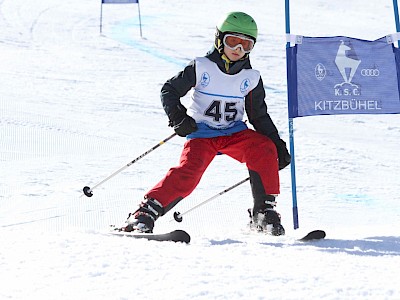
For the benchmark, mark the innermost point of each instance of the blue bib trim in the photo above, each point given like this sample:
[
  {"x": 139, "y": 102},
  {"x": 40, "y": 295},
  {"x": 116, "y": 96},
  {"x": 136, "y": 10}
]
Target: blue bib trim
[{"x": 204, "y": 131}]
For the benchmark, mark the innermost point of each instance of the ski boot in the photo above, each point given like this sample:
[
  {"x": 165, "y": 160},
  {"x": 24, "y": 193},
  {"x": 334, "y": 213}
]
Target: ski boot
[
  {"x": 266, "y": 219},
  {"x": 142, "y": 220}
]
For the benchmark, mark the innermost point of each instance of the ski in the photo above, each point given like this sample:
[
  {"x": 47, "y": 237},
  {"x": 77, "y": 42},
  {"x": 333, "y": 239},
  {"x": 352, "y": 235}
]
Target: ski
[
  {"x": 180, "y": 236},
  {"x": 313, "y": 236}
]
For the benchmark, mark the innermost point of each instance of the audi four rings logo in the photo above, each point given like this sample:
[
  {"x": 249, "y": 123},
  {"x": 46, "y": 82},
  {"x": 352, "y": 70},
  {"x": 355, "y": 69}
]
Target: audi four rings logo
[{"x": 370, "y": 72}]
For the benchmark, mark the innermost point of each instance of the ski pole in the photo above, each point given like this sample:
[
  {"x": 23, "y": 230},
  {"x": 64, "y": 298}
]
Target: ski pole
[
  {"x": 88, "y": 191},
  {"x": 178, "y": 216}
]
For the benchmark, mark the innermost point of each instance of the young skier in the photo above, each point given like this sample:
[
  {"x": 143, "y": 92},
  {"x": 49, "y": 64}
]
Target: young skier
[{"x": 223, "y": 85}]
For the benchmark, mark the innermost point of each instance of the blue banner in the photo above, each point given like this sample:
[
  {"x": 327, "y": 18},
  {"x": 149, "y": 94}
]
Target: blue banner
[{"x": 342, "y": 75}]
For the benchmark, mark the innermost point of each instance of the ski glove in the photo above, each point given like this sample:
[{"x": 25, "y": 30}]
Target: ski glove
[
  {"x": 284, "y": 157},
  {"x": 181, "y": 122},
  {"x": 185, "y": 126}
]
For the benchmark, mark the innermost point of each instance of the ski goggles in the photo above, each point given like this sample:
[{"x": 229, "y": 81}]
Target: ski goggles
[{"x": 233, "y": 41}]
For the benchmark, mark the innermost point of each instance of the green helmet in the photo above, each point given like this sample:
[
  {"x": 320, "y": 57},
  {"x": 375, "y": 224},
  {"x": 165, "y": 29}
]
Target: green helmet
[{"x": 238, "y": 22}]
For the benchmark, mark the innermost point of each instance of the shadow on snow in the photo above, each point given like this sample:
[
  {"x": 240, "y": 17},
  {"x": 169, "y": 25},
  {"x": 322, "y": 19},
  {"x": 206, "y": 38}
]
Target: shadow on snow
[{"x": 369, "y": 246}]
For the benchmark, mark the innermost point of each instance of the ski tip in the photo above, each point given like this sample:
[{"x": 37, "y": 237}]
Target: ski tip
[
  {"x": 182, "y": 236},
  {"x": 313, "y": 235}
]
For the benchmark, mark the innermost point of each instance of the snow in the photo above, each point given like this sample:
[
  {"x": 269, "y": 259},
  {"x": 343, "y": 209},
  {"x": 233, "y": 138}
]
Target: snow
[{"x": 77, "y": 106}]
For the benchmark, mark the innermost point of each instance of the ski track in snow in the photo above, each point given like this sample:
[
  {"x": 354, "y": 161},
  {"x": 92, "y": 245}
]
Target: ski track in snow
[{"x": 76, "y": 106}]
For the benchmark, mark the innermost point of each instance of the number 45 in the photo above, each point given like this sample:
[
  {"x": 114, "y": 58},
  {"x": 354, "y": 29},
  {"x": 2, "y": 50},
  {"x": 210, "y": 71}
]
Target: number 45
[{"x": 214, "y": 111}]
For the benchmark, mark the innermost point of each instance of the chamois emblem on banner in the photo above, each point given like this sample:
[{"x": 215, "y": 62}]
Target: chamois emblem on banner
[
  {"x": 320, "y": 71},
  {"x": 344, "y": 62}
]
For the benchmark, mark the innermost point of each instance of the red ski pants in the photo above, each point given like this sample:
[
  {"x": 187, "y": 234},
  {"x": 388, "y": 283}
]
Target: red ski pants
[{"x": 247, "y": 146}]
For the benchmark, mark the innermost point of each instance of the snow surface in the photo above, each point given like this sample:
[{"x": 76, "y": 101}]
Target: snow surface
[{"x": 77, "y": 106}]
